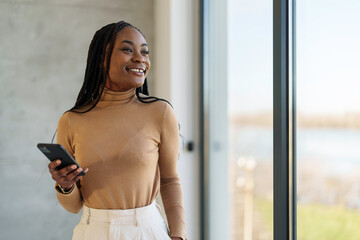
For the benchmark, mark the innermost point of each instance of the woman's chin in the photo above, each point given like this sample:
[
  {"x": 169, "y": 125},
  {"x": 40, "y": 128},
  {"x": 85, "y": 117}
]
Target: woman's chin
[{"x": 138, "y": 84}]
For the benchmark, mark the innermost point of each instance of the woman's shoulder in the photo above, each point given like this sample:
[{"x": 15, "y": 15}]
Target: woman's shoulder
[
  {"x": 155, "y": 102},
  {"x": 68, "y": 116},
  {"x": 160, "y": 109}
]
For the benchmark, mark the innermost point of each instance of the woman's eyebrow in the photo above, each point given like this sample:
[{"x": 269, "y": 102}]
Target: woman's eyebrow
[{"x": 131, "y": 43}]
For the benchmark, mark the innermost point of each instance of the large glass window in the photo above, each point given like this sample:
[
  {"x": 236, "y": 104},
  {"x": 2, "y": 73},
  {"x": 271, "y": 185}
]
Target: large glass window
[
  {"x": 328, "y": 110},
  {"x": 250, "y": 113},
  {"x": 327, "y": 120},
  {"x": 238, "y": 112}
]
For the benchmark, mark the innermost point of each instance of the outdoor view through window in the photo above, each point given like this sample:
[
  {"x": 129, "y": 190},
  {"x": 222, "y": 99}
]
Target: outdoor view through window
[
  {"x": 328, "y": 116},
  {"x": 328, "y": 119},
  {"x": 250, "y": 76}
]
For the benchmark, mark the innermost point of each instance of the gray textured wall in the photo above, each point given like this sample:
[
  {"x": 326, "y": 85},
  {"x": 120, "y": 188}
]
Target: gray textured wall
[{"x": 43, "y": 47}]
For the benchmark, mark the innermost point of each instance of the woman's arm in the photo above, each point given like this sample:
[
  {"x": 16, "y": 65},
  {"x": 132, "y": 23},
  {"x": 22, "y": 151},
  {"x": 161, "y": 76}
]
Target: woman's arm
[
  {"x": 170, "y": 186},
  {"x": 71, "y": 201}
]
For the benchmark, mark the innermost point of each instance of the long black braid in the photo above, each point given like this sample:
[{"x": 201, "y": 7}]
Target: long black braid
[{"x": 96, "y": 71}]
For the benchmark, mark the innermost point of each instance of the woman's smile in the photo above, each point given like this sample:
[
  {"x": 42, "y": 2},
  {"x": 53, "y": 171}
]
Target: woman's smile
[{"x": 138, "y": 71}]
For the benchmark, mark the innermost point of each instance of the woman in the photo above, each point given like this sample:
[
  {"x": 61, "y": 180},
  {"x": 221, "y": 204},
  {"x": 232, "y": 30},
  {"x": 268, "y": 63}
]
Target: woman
[{"x": 127, "y": 143}]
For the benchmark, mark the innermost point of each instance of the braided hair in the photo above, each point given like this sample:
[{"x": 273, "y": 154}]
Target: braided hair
[{"x": 96, "y": 71}]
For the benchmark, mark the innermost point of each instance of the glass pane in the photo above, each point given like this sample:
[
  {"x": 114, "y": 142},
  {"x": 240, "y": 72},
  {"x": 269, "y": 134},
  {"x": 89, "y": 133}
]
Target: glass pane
[
  {"x": 328, "y": 117},
  {"x": 250, "y": 94}
]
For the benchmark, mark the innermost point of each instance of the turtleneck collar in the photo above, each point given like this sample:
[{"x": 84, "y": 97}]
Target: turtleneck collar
[{"x": 110, "y": 95}]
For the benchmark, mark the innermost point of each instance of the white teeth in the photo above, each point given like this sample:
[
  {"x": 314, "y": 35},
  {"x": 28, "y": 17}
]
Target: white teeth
[{"x": 136, "y": 70}]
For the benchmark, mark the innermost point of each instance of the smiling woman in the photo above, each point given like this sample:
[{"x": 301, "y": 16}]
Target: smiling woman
[
  {"x": 130, "y": 61},
  {"x": 129, "y": 56},
  {"x": 128, "y": 159}
]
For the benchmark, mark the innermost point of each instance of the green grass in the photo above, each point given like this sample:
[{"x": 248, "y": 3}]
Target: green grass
[
  {"x": 319, "y": 222},
  {"x": 265, "y": 207}
]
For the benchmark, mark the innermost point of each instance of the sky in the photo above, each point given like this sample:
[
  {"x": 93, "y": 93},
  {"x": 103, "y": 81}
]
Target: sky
[{"x": 328, "y": 56}]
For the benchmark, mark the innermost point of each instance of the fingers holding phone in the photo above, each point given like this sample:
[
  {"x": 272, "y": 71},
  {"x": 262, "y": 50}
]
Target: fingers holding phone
[
  {"x": 63, "y": 167},
  {"x": 66, "y": 176}
]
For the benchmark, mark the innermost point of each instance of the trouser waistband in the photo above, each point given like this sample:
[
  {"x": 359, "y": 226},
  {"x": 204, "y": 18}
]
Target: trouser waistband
[{"x": 119, "y": 216}]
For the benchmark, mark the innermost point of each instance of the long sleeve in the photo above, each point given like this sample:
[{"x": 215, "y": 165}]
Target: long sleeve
[
  {"x": 72, "y": 201},
  {"x": 170, "y": 186}
]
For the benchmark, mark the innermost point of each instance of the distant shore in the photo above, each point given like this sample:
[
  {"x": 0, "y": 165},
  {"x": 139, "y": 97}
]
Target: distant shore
[{"x": 349, "y": 120}]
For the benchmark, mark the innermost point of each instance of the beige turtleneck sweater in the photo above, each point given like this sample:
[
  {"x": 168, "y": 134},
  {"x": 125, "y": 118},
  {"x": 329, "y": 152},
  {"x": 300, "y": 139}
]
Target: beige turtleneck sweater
[{"x": 131, "y": 150}]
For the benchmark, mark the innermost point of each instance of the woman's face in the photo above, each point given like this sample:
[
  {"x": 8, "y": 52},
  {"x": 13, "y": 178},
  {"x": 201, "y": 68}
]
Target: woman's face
[{"x": 130, "y": 63}]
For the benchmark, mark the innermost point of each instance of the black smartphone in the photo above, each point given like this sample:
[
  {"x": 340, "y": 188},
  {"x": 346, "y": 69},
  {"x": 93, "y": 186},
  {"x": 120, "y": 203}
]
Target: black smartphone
[{"x": 55, "y": 151}]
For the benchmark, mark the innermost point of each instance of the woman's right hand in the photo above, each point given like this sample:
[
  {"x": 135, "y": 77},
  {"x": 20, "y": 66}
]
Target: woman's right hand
[{"x": 67, "y": 176}]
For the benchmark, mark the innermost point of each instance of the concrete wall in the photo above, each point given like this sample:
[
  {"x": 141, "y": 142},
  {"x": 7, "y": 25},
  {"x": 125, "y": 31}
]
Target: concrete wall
[{"x": 43, "y": 48}]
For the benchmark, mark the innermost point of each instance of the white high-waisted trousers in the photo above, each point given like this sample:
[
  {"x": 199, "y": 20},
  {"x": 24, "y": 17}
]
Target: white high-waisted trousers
[{"x": 143, "y": 223}]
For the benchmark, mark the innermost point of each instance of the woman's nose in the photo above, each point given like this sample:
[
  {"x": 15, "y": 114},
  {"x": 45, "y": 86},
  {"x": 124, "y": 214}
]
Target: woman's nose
[{"x": 138, "y": 57}]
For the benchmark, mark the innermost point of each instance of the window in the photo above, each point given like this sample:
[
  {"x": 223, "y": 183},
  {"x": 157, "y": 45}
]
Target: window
[
  {"x": 250, "y": 124},
  {"x": 238, "y": 114},
  {"x": 282, "y": 110},
  {"x": 328, "y": 117}
]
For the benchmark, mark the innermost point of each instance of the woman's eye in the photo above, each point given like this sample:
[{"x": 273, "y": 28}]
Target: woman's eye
[
  {"x": 145, "y": 52},
  {"x": 126, "y": 50}
]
